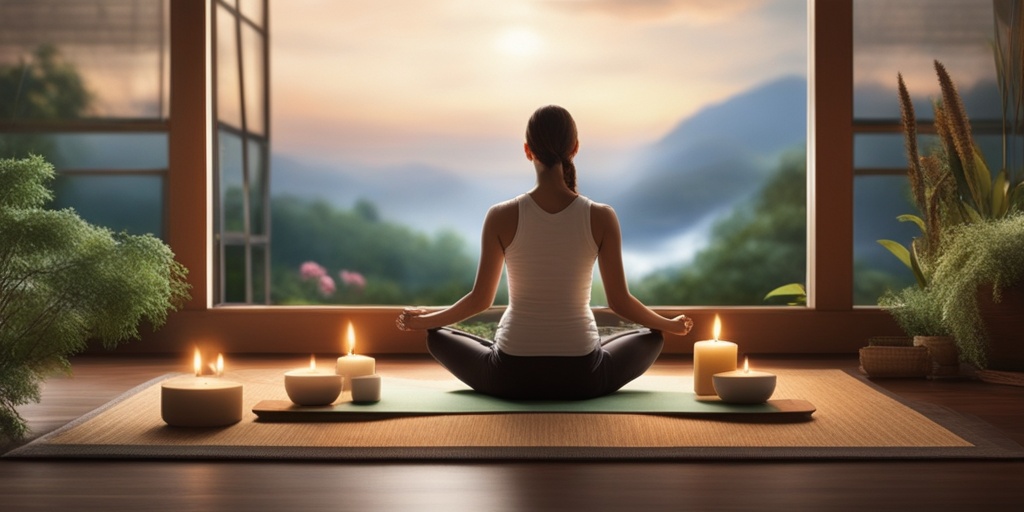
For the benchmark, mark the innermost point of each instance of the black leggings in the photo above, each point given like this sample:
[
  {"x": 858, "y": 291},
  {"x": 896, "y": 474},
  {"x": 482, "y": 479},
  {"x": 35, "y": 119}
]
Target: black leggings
[{"x": 478, "y": 363}]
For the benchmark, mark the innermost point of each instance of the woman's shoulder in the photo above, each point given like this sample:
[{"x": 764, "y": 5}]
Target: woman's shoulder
[
  {"x": 503, "y": 220},
  {"x": 601, "y": 211},
  {"x": 505, "y": 208},
  {"x": 505, "y": 213},
  {"x": 603, "y": 221}
]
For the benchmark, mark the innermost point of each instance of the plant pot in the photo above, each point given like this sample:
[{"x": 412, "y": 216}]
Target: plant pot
[
  {"x": 943, "y": 353},
  {"x": 1004, "y": 327}
]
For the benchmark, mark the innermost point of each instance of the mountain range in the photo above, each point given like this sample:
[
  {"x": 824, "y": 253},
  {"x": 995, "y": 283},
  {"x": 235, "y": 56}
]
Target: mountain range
[
  {"x": 673, "y": 191},
  {"x": 711, "y": 161},
  {"x": 703, "y": 167}
]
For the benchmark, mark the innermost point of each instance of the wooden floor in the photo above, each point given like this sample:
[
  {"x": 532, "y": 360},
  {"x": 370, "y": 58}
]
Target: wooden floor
[{"x": 500, "y": 486}]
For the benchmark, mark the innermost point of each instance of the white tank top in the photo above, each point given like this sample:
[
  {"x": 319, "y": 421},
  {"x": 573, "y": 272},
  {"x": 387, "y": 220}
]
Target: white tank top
[{"x": 550, "y": 265}]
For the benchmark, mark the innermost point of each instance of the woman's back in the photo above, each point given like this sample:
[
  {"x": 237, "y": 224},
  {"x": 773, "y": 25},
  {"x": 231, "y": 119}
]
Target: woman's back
[
  {"x": 550, "y": 264},
  {"x": 547, "y": 346}
]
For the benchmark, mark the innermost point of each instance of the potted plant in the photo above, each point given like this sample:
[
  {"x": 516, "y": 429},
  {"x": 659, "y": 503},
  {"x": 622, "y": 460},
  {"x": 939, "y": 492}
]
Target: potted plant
[
  {"x": 918, "y": 312},
  {"x": 979, "y": 281},
  {"x": 967, "y": 217},
  {"x": 64, "y": 282}
]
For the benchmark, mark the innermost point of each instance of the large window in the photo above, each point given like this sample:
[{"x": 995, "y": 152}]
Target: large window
[
  {"x": 907, "y": 37},
  {"x": 136, "y": 107},
  {"x": 397, "y": 123},
  {"x": 85, "y": 84}
]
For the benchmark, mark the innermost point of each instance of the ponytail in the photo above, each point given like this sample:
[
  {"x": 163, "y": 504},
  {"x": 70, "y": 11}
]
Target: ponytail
[{"x": 569, "y": 173}]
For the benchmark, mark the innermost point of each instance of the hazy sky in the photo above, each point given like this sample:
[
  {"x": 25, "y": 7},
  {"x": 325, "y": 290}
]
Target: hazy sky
[{"x": 452, "y": 82}]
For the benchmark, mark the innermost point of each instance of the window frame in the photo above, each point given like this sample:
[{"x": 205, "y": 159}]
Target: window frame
[
  {"x": 829, "y": 324},
  {"x": 254, "y": 174}
]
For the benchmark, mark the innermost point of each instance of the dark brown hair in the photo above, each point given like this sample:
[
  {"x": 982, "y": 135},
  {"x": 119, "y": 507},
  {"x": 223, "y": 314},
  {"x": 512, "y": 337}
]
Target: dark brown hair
[{"x": 551, "y": 137}]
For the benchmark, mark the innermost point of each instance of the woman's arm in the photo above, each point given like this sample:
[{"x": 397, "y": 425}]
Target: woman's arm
[
  {"x": 494, "y": 239},
  {"x": 608, "y": 236}
]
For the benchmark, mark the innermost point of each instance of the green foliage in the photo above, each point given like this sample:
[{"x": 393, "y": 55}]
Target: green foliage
[
  {"x": 953, "y": 185},
  {"x": 769, "y": 234},
  {"x": 400, "y": 265},
  {"x": 47, "y": 87},
  {"x": 64, "y": 282},
  {"x": 44, "y": 87},
  {"x": 918, "y": 311},
  {"x": 485, "y": 330},
  {"x": 793, "y": 293},
  {"x": 969, "y": 219},
  {"x": 975, "y": 257}
]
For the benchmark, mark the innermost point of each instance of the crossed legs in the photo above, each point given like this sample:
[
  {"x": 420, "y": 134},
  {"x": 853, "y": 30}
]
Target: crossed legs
[{"x": 478, "y": 363}]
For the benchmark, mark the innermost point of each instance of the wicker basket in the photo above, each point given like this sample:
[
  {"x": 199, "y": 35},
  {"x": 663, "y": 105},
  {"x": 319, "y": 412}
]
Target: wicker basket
[
  {"x": 890, "y": 341},
  {"x": 892, "y": 362}
]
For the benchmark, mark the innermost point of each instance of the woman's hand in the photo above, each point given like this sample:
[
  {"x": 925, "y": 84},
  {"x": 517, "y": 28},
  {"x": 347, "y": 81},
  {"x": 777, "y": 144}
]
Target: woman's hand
[
  {"x": 410, "y": 319},
  {"x": 684, "y": 324}
]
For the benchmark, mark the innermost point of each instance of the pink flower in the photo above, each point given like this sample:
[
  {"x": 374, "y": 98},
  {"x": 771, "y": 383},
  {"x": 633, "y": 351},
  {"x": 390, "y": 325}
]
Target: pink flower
[
  {"x": 311, "y": 270},
  {"x": 327, "y": 286},
  {"x": 353, "y": 279}
]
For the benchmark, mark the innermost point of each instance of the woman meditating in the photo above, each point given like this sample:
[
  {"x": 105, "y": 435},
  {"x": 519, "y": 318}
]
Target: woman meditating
[{"x": 547, "y": 344}]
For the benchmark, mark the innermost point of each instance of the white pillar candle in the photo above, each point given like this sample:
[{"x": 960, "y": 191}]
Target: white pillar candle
[
  {"x": 312, "y": 386},
  {"x": 711, "y": 357},
  {"x": 366, "y": 388},
  {"x": 354, "y": 365},
  {"x": 197, "y": 401},
  {"x": 744, "y": 386}
]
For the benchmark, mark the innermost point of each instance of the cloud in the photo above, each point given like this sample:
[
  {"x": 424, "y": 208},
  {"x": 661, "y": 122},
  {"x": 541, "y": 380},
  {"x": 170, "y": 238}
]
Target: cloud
[
  {"x": 390, "y": 81},
  {"x": 696, "y": 12}
]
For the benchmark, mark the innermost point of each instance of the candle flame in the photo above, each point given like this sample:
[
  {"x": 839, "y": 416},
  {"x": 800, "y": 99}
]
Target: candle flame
[
  {"x": 197, "y": 362},
  {"x": 350, "y": 337},
  {"x": 746, "y": 364},
  {"x": 312, "y": 362},
  {"x": 220, "y": 364},
  {"x": 718, "y": 327}
]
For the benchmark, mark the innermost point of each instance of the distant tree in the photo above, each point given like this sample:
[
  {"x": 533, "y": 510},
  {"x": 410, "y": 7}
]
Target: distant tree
[
  {"x": 397, "y": 264},
  {"x": 758, "y": 247},
  {"x": 761, "y": 245},
  {"x": 46, "y": 87}
]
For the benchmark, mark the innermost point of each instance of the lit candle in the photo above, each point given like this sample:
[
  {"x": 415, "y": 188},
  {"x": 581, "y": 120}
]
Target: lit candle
[
  {"x": 197, "y": 401},
  {"x": 711, "y": 357},
  {"x": 354, "y": 365},
  {"x": 312, "y": 386},
  {"x": 744, "y": 386},
  {"x": 366, "y": 388}
]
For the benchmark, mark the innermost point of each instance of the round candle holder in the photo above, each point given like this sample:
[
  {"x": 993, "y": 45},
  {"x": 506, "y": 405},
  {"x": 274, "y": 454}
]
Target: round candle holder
[
  {"x": 200, "y": 402},
  {"x": 744, "y": 387},
  {"x": 312, "y": 387}
]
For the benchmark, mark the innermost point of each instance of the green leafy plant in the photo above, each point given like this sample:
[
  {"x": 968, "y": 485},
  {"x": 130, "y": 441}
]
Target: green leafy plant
[
  {"x": 951, "y": 186},
  {"x": 793, "y": 293},
  {"x": 64, "y": 282},
  {"x": 967, "y": 215},
  {"x": 980, "y": 256},
  {"x": 918, "y": 311}
]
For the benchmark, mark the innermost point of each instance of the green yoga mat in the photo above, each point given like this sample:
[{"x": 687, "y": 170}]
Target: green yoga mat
[{"x": 404, "y": 399}]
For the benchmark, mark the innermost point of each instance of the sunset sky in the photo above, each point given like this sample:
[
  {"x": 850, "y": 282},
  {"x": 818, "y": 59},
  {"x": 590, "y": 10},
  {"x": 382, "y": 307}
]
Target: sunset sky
[
  {"x": 363, "y": 84},
  {"x": 452, "y": 82}
]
